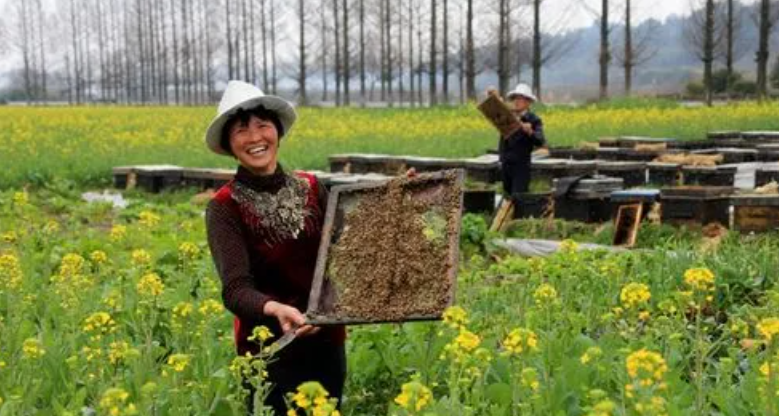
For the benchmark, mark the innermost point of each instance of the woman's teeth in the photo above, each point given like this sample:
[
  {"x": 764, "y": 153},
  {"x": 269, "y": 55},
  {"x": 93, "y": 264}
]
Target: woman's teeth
[{"x": 257, "y": 150}]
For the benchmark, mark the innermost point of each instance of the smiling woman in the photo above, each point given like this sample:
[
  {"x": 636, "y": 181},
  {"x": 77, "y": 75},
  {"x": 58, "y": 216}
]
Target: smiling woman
[{"x": 264, "y": 229}]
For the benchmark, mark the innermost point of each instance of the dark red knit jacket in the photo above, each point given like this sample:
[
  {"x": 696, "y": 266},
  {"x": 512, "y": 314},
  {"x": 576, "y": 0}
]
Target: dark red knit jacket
[{"x": 253, "y": 271}]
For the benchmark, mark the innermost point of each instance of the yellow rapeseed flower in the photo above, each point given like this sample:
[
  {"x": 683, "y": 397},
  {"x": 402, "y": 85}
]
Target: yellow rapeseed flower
[
  {"x": 118, "y": 232},
  {"x": 179, "y": 362},
  {"x": 98, "y": 257},
  {"x": 261, "y": 334},
  {"x": 32, "y": 349},
  {"x": 545, "y": 295},
  {"x": 592, "y": 353},
  {"x": 140, "y": 257},
  {"x": 414, "y": 396},
  {"x": 71, "y": 265},
  {"x": 21, "y": 198},
  {"x": 114, "y": 403},
  {"x": 635, "y": 295},
  {"x": 768, "y": 328},
  {"x": 646, "y": 366},
  {"x": 210, "y": 307},
  {"x": 455, "y": 317},
  {"x": 99, "y": 324},
  {"x": 10, "y": 272},
  {"x": 121, "y": 351},
  {"x": 10, "y": 237},
  {"x": 148, "y": 219},
  {"x": 188, "y": 251},
  {"x": 150, "y": 285},
  {"x": 700, "y": 279},
  {"x": 520, "y": 341}
]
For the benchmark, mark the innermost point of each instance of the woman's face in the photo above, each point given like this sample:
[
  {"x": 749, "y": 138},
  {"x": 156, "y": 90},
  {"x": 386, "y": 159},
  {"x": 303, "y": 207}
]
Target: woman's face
[
  {"x": 255, "y": 144},
  {"x": 521, "y": 103}
]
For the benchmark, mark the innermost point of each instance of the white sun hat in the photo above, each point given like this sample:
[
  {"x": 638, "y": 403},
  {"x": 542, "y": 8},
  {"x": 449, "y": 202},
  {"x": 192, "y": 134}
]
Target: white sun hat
[
  {"x": 239, "y": 95},
  {"x": 523, "y": 90}
]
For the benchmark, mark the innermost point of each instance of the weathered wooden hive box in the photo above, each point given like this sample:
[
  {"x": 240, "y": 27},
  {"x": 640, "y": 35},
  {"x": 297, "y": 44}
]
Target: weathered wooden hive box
[
  {"x": 389, "y": 251},
  {"x": 533, "y": 204},
  {"x": 709, "y": 175},
  {"x": 646, "y": 197},
  {"x": 485, "y": 168},
  {"x": 755, "y": 213},
  {"x": 587, "y": 200},
  {"x": 664, "y": 174},
  {"x": 766, "y": 174},
  {"x": 632, "y": 173},
  {"x": 696, "y": 205}
]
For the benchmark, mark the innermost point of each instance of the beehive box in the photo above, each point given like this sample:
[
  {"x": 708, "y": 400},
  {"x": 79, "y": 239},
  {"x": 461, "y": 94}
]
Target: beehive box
[
  {"x": 664, "y": 174},
  {"x": 696, "y": 205},
  {"x": 485, "y": 168},
  {"x": 156, "y": 178},
  {"x": 709, "y": 175},
  {"x": 389, "y": 251},
  {"x": 755, "y": 213},
  {"x": 497, "y": 112},
  {"x": 766, "y": 174},
  {"x": 632, "y": 173},
  {"x": 533, "y": 205}
]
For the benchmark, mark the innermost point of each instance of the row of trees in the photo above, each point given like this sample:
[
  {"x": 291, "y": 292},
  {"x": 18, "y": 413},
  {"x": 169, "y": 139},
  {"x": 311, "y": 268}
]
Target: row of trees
[
  {"x": 414, "y": 51},
  {"x": 713, "y": 34}
]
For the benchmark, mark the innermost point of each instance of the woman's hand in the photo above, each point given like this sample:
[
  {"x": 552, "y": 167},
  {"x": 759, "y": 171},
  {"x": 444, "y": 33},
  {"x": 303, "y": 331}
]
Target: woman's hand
[{"x": 290, "y": 318}]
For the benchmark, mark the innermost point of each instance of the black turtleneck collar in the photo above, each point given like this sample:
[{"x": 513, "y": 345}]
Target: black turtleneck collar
[{"x": 262, "y": 183}]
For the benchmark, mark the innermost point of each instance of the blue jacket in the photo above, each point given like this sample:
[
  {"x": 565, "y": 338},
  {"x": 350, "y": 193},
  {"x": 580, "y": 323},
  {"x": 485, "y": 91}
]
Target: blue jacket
[{"x": 518, "y": 147}]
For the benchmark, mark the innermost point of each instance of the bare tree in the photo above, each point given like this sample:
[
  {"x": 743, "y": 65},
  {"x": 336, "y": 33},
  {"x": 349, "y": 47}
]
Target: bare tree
[
  {"x": 767, "y": 17},
  {"x": 346, "y": 55},
  {"x": 470, "y": 58},
  {"x": 445, "y": 50},
  {"x": 433, "y": 70},
  {"x": 637, "y": 48},
  {"x": 302, "y": 98},
  {"x": 362, "y": 52},
  {"x": 703, "y": 34}
]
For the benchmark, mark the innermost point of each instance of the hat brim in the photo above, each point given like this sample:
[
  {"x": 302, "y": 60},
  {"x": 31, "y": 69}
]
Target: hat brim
[
  {"x": 513, "y": 95},
  {"x": 283, "y": 109}
]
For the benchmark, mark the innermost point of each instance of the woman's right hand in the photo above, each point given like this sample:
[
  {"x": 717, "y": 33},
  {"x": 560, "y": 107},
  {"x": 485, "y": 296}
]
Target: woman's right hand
[{"x": 289, "y": 318}]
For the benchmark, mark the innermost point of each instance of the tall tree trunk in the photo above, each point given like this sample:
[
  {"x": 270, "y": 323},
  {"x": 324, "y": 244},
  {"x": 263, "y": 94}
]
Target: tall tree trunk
[
  {"x": 362, "y": 52},
  {"x": 412, "y": 92},
  {"x": 246, "y": 58},
  {"x": 445, "y": 49},
  {"x": 302, "y": 51},
  {"x": 273, "y": 44},
  {"x": 382, "y": 50},
  {"x": 324, "y": 51},
  {"x": 346, "y": 57},
  {"x": 628, "y": 61},
  {"x": 42, "y": 48},
  {"x": 401, "y": 87},
  {"x": 470, "y": 58},
  {"x": 730, "y": 25},
  {"x": 605, "y": 53},
  {"x": 230, "y": 68},
  {"x": 174, "y": 37},
  {"x": 537, "y": 58},
  {"x": 254, "y": 42},
  {"x": 337, "y": 44},
  {"x": 264, "y": 29},
  {"x": 388, "y": 39},
  {"x": 420, "y": 94},
  {"x": 762, "y": 50},
  {"x": 708, "y": 50},
  {"x": 503, "y": 47},
  {"x": 433, "y": 69}
]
